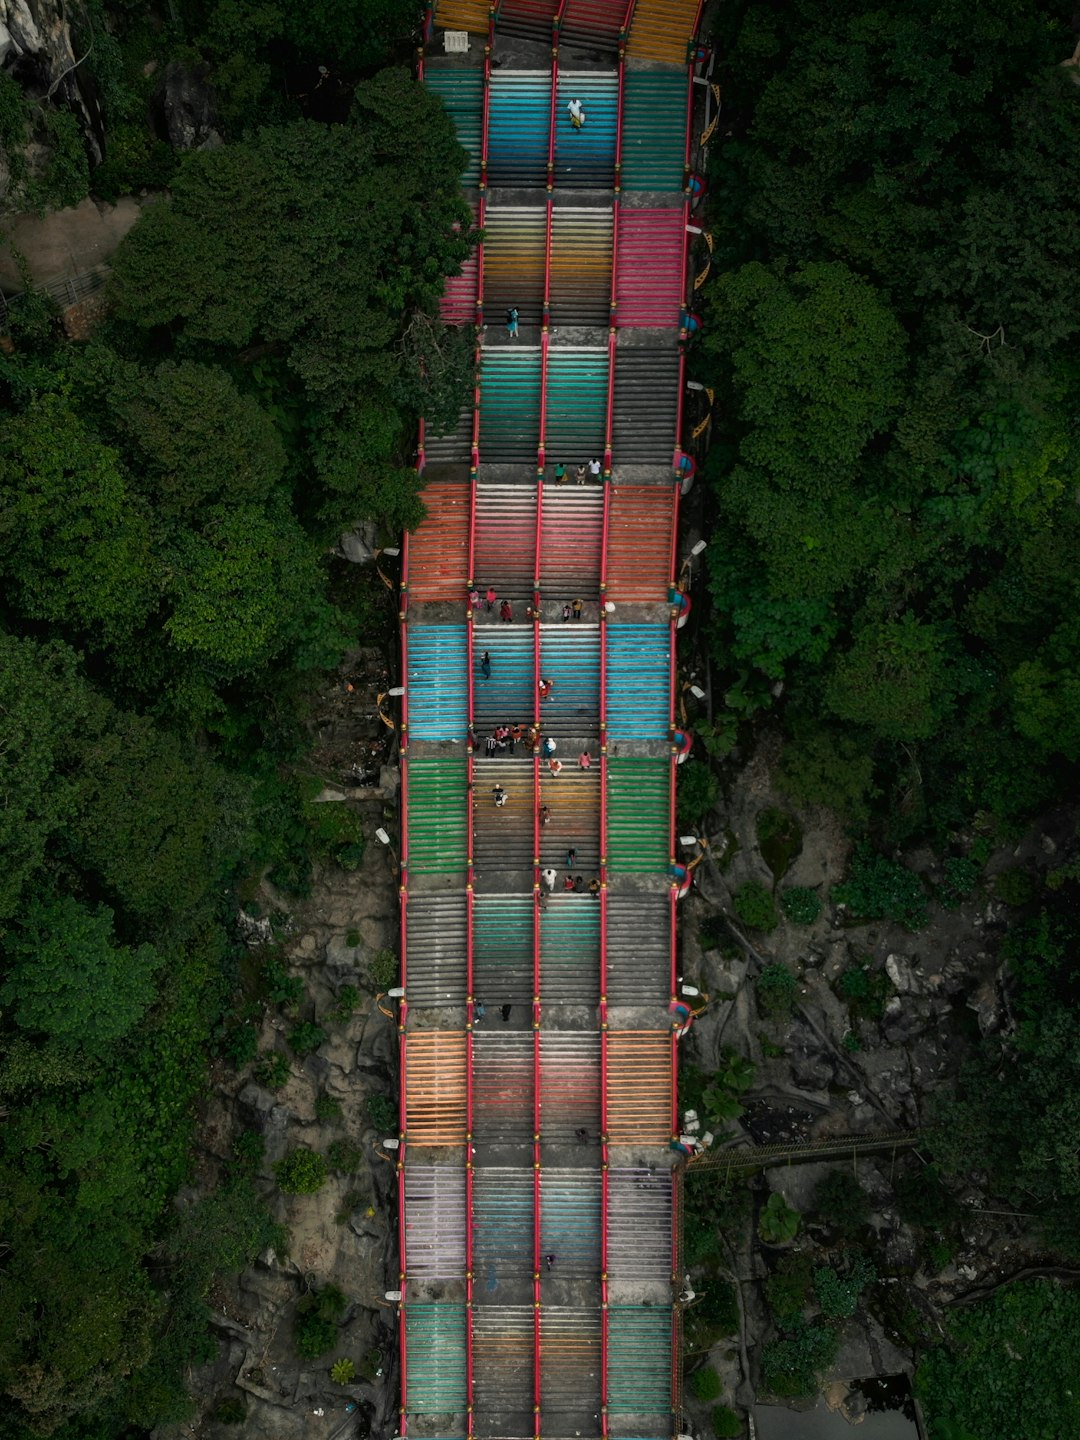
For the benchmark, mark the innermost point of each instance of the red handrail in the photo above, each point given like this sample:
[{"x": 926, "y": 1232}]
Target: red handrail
[
  {"x": 545, "y": 344},
  {"x": 549, "y": 207},
  {"x": 538, "y": 1258},
  {"x": 604, "y": 1161},
  {"x": 553, "y": 111}
]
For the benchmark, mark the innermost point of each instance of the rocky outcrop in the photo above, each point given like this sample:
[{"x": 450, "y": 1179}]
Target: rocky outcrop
[
  {"x": 36, "y": 46},
  {"x": 185, "y": 103}
]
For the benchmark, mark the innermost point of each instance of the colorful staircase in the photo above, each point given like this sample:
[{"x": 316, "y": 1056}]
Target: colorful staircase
[{"x": 535, "y": 1171}]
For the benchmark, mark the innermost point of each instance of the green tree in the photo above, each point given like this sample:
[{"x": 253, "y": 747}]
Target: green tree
[
  {"x": 894, "y": 680},
  {"x": 75, "y": 545},
  {"x": 301, "y": 1172},
  {"x": 67, "y": 978}
]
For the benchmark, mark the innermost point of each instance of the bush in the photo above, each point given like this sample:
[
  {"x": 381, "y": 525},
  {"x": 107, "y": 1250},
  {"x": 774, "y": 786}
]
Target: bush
[
  {"x": 352, "y": 939},
  {"x": 1015, "y": 887},
  {"x": 923, "y": 1200},
  {"x": 241, "y": 1045},
  {"x": 383, "y": 969},
  {"x": 755, "y": 907},
  {"x": 776, "y": 990},
  {"x": 842, "y": 1202},
  {"x": 306, "y": 1037},
  {"x": 134, "y": 159},
  {"x": 348, "y": 998},
  {"x": 327, "y": 1108},
  {"x": 790, "y": 1367},
  {"x": 788, "y": 1288},
  {"x": 878, "y": 888},
  {"x": 315, "y": 1327},
  {"x": 230, "y": 1411},
  {"x": 249, "y": 1147},
  {"x": 726, "y": 1423},
  {"x": 273, "y": 1070},
  {"x": 383, "y": 1114},
  {"x": 301, "y": 1172},
  {"x": 344, "y": 1156},
  {"x": 779, "y": 839},
  {"x": 281, "y": 987},
  {"x": 865, "y": 990},
  {"x": 706, "y": 1384},
  {"x": 960, "y": 879},
  {"x": 839, "y": 1294},
  {"x": 342, "y": 1371},
  {"x": 801, "y": 905},
  {"x": 697, "y": 793},
  {"x": 778, "y": 1222}
]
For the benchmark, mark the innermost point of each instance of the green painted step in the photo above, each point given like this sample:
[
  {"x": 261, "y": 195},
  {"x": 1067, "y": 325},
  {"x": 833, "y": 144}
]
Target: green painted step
[
  {"x": 638, "y": 817},
  {"x": 639, "y": 1359},
  {"x": 462, "y": 92},
  {"x": 654, "y": 130},
  {"x": 438, "y": 816},
  {"x": 509, "y": 405},
  {"x": 435, "y": 1359}
]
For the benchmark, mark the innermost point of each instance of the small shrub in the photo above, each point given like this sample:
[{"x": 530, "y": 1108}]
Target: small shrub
[
  {"x": 878, "y": 888},
  {"x": 383, "y": 969},
  {"x": 697, "y": 794},
  {"x": 348, "y": 998},
  {"x": 241, "y": 1045},
  {"x": 755, "y": 907},
  {"x": 273, "y": 1070},
  {"x": 383, "y": 1114},
  {"x": 344, "y": 1156},
  {"x": 851, "y": 1042},
  {"x": 960, "y": 879},
  {"x": 352, "y": 939},
  {"x": 865, "y": 990},
  {"x": 778, "y": 1222},
  {"x": 842, "y": 1202},
  {"x": 706, "y": 1384},
  {"x": 738, "y": 1072},
  {"x": 788, "y": 1288},
  {"x": 327, "y": 1108},
  {"x": 776, "y": 990},
  {"x": 301, "y": 1172},
  {"x": 350, "y": 1201},
  {"x": 801, "y": 905},
  {"x": 281, "y": 987},
  {"x": 779, "y": 839},
  {"x": 837, "y": 1294},
  {"x": 342, "y": 1371},
  {"x": 230, "y": 1411},
  {"x": 249, "y": 1147},
  {"x": 790, "y": 1367},
  {"x": 315, "y": 1327},
  {"x": 1015, "y": 887},
  {"x": 726, "y": 1423},
  {"x": 306, "y": 1036}
]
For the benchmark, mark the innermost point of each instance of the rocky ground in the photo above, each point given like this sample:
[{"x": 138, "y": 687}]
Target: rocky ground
[{"x": 829, "y": 1069}]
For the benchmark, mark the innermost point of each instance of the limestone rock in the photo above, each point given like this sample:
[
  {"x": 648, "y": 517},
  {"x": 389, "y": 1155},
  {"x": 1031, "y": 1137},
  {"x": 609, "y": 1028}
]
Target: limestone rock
[
  {"x": 901, "y": 972},
  {"x": 187, "y": 107}
]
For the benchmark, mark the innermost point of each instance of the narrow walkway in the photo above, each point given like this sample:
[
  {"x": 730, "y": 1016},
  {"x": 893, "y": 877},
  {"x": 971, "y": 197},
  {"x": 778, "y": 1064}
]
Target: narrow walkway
[{"x": 539, "y": 1203}]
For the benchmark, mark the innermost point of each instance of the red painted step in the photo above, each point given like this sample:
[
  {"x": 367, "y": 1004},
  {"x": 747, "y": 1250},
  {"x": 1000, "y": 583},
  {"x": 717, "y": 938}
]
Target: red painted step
[{"x": 649, "y": 284}]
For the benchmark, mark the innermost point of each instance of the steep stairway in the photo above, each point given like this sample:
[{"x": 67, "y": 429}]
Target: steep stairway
[
  {"x": 510, "y": 404},
  {"x": 462, "y": 92},
  {"x": 571, "y": 533},
  {"x": 526, "y": 19},
  {"x": 505, "y": 552},
  {"x": 458, "y": 303},
  {"x": 574, "y": 801},
  {"x": 507, "y": 697},
  {"x": 639, "y": 1087},
  {"x": 570, "y": 950},
  {"x": 435, "y": 1222},
  {"x": 645, "y": 420},
  {"x": 435, "y": 1337},
  {"x": 654, "y": 130},
  {"x": 435, "y": 1087},
  {"x": 519, "y": 116},
  {"x": 638, "y": 937},
  {"x": 570, "y": 659},
  {"x": 514, "y": 242},
  {"x": 581, "y": 253},
  {"x": 503, "y": 1213},
  {"x": 662, "y": 30},
  {"x": 502, "y": 1368},
  {"x": 637, "y": 800},
  {"x": 638, "y": 681},
  {"x": 639, "y": 1360},
  {"x": 570, "y": 1218},
  {"x": 639, "y": 1223},
  {"x": 502, "y": 1083},
  {"x": 639, "y": 542},
  {"x": 435, "y": 960},
  {"x": 649, "y": 280},
  {"x": 569, "y": 1085},
  {"x": 570, "y": 1364},
  {"x": 577, "y": 391},
  {"x": 585, "y": 158},
  {"x": 439, "y": 548},
  {"x": 503, "y": 949},
  {"x": 592, "y": 25},
  {"x": 503, "y": 835},
  {"x": 438, "y": 816},
  {"x": 438, "y": 699}
]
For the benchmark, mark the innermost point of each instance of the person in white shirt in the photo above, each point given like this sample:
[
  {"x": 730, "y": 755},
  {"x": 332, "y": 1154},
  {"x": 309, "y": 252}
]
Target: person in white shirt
[{"x": 577, "y": 114}]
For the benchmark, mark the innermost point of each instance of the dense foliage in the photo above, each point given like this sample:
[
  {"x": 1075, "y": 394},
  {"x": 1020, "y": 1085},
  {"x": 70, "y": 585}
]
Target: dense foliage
[
  {"x": 896, "y": 460},
  {"x": 169, "y": 492}
]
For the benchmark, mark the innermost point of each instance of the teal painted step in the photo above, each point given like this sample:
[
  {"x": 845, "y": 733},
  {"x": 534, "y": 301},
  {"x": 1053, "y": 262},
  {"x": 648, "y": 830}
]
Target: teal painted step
[
  {"x": 519, "y": 117},
  {"x": 570, "y": 1218},
  {"x": 639, "y": 1359},
  {"x": 638, "y": 819},
  {"x": 586, "y": 157},
  {"x": 435, "y": 1359},
  {"x": 577, "y": 393},
  {"x": 503, "y": 949},
  {"x": 570, "y": 950},
  {"x": 462, "y": 92},
  {"x": 438, "y": 815},
  {"x": 654, "y": 130},
  {"x": 638, "y": 682},
  {"x": 438, "y": 694},
  {"x": 509, "y": 405}
]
